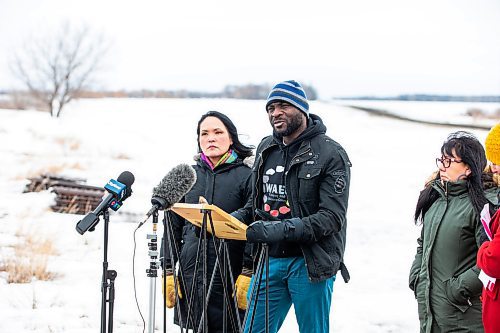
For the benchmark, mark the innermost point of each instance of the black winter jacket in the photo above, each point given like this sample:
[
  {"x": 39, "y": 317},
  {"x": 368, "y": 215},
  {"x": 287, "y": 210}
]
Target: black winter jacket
[
  {"x": 228, "y": 188},
  {"x": 317, "y": 186}
]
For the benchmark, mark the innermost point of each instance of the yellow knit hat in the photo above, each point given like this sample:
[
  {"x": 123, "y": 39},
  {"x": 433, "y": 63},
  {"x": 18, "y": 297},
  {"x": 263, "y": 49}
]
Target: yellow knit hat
[{"x": 493, "y": 145}]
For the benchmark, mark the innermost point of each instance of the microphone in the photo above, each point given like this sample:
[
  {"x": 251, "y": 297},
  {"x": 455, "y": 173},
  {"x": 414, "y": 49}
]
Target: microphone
[
  {"x": 172, "y": 188},
  {"x": 119, "y": 190}
]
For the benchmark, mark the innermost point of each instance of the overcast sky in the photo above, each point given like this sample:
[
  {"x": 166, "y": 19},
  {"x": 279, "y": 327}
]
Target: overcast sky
[{"x": 342, "y": 48}]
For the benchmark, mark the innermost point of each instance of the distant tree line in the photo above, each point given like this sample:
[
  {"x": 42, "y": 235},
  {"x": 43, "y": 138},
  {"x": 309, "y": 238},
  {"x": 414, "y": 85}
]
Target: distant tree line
[
  {"x": 24, "y": 99},
  {"x": 248, "y": 91},
  {"x": 429, "y": 98}
]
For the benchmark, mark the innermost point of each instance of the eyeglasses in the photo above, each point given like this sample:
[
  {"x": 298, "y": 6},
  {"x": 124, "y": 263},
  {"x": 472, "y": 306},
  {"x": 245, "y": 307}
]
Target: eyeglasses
[{"x": 446, "y": 161}]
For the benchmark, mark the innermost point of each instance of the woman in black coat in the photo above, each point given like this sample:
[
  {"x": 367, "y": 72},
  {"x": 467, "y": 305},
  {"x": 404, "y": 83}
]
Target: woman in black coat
[{"x": 223, "y": 176}]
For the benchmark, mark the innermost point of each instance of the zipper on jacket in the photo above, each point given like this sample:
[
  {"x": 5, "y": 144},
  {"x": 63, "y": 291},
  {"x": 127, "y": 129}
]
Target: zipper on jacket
[
  {"x": 256, "y": 198},
  {"x": 296, "y": 157}
]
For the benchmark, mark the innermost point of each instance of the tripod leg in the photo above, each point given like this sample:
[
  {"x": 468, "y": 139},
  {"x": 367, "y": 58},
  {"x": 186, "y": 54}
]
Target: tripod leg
[
  {"x": 172, "y": 246},
  {"x": 111, "y": 302},
  {"x": 223, "y": 275},
  {"x": 205, "y": 258},
  {"x": 190, "y": 297},
  {"x": 231, "y": 277},
  {"x": 224, "y": 303},
  {"x": 104, "y": 296},
  {"x": 212, "y": 278},
  {"x": 266, "y": 258},
  {"x": 254, "y": 291},
  {"x": 226, "y": 299}
]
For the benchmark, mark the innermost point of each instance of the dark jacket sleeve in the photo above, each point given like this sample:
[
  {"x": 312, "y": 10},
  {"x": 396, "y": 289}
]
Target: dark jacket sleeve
[
  {"x": 245, "y": 214},
  {"x": 248, "y": 253},
  {"x": 333, "y": 198}
]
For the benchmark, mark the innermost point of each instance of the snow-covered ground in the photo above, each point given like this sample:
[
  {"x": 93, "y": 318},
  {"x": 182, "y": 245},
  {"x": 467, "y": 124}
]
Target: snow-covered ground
[
  {"x": 438, "y": 112},
  {"x": 98, "y": 139}
]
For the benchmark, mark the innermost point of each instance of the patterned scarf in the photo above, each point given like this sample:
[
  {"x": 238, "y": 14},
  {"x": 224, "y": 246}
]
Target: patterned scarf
[{"x": 229, "y": 157}]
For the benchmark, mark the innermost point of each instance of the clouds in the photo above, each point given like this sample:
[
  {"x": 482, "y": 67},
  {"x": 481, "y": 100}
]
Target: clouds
[{"x": 355, "y": 47}]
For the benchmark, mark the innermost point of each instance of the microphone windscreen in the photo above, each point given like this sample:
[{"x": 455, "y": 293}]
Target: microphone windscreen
[
  {"x": 126, "y": 178},
  {"x": 175, "y": 184}
]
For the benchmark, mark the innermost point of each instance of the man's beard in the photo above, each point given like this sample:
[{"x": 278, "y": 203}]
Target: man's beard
[{"x": 292, "y": 124}]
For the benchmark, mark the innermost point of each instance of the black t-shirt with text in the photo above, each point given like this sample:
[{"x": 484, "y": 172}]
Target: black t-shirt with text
[{"x": 274, "y": 200}]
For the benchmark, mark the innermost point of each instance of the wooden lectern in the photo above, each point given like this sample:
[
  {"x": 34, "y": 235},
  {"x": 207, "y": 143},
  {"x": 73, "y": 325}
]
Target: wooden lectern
[{"x": 226, "y": 226}]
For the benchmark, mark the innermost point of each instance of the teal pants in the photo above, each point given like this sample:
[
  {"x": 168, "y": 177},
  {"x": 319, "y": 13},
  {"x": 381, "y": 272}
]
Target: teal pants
[{"x": 289, "y": 284}]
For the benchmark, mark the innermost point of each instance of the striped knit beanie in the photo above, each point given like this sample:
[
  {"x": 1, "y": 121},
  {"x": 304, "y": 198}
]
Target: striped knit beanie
[
  {"x": 289, "y": 91},
  {"x": 493, "y": 145}
]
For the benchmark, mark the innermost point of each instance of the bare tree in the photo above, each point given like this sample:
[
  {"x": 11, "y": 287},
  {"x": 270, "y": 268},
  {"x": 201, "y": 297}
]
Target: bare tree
[{"x": 57, "y": 68}]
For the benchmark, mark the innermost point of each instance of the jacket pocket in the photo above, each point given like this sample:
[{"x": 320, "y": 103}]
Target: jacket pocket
[
  {"x": 456, "y": 295},
  {"x": 308, "y": 183},
  {"x": 413, "y": 284}
]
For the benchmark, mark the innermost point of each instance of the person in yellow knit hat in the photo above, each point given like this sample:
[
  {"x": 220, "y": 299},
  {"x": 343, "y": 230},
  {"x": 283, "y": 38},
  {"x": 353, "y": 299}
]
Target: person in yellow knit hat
[
  {"x": 488, "y": 256},
  {"x": 493, "y": 148}
]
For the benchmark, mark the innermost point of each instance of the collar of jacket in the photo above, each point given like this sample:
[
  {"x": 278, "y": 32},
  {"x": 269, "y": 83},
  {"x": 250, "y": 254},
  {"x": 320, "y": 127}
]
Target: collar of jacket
[
  {"x": 303, "y": 154},
  {"x": 450, "y": 188}
]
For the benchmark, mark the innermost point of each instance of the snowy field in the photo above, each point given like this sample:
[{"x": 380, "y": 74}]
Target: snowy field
[
  {"x": 98, "y": 139},
  {"x": 438, "y": 112}
]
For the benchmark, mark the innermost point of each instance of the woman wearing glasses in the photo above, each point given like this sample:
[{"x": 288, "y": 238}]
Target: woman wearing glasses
[{"x": 444, "y": 275}]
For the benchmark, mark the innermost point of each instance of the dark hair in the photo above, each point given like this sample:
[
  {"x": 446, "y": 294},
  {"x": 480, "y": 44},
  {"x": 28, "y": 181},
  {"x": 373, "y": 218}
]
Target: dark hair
[
  {"x": 468, "y": 148},
  {"x": 242, "y": 150}
]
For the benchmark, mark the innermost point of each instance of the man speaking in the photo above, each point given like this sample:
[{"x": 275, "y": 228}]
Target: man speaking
[{"x": 301, "y": 181}]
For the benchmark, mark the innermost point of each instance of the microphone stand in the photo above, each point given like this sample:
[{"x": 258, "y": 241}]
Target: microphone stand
[
  {"x": 152, "y": 272},
  {"x": 107, "y": 275}
]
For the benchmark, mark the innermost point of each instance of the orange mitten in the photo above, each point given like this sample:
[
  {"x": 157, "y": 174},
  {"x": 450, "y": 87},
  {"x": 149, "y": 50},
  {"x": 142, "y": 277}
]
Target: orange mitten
[
  {"x": 170, "y": 296},
  {"x": 241, "y": 286}
]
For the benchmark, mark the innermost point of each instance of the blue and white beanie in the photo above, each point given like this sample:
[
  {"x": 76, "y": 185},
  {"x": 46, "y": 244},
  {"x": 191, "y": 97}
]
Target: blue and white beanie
[{"x": 292, "y": 92}]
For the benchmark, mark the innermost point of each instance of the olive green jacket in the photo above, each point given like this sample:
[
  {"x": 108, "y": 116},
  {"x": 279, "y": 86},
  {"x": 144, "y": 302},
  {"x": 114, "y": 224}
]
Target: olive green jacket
[{"x": 444, "y": 275}]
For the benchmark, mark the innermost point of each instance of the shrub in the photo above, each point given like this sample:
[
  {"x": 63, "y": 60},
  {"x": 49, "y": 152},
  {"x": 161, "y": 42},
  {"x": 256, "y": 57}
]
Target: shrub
[{"x": 29, "y": 260}]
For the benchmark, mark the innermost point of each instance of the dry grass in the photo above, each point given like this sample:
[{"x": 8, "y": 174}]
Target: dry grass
[
  {"x": 57, "y": 169},
  {"x": 29, "y": 260},
  {"x": 121, "y": 156},
  {"x": 71, "y": 143},
  {"x": 50, "y": 169},
  {"x": 477, "y": 113}
]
